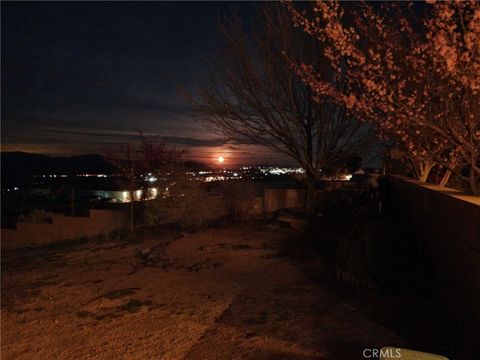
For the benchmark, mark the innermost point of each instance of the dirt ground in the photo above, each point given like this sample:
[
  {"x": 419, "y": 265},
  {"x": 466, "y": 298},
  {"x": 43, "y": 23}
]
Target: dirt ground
[{"x": 219, "y": 294}]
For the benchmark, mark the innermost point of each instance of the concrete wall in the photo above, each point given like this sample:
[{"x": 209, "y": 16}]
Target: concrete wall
[
  {"x": 104, "y": 221},
  {"x": 64, "y": 228},
  {"x": 447, "y": 222},
  {"x": 276, "y": 199}
]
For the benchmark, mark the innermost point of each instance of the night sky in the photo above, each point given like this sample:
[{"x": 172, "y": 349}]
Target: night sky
[{"x": 82, "y": 78}]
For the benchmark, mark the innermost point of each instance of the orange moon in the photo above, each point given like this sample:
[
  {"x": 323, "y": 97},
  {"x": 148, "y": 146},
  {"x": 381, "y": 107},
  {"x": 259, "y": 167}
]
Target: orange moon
[{"x": 221, "y": 159}]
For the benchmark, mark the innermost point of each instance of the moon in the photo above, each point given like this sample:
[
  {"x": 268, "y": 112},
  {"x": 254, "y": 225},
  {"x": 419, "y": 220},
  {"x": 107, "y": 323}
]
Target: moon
[{"x": 220, "y": 159}]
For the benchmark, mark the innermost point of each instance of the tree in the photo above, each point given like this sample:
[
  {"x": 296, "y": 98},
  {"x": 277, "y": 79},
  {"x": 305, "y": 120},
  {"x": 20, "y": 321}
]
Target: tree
[
  {"x": 152, "y": 155},
  {"x": 252, "y": 94},
  {"x": 182, "y": 199},
  {"x": 158, "y": 157},
  {"x": 417, "y": 79},
  {"x": 128, "y": 162}
]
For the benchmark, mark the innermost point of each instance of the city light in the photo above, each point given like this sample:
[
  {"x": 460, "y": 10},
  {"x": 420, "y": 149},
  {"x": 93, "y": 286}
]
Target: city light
[
  {"x": 138, "y": 195},
  {"x": 281, "y": 170},
  {"x": 154, "y": 193}
]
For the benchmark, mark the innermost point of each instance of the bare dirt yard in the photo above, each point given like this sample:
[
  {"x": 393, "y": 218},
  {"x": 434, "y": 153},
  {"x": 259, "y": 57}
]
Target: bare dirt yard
[{"x": 221, "y": 294}]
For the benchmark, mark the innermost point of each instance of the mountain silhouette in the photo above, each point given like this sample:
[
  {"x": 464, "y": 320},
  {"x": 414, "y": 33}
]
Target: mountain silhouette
[{"x": 19, "y": 167}]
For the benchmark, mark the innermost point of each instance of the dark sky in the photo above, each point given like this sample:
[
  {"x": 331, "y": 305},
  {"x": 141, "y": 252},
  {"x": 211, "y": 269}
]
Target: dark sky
[{"x": 81, "y": 77}]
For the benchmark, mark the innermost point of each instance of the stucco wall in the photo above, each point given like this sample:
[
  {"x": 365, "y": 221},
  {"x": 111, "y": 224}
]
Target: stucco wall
[
  {"x": 64, "y": 228},
  {"x": 447, "y": 222},
  {"x": 104, "y": 221},
  {"x": 276, "y": 199}
]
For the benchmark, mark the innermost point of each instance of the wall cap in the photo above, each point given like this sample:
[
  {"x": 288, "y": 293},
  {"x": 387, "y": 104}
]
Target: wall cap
[{"x": 457, "y": 194}]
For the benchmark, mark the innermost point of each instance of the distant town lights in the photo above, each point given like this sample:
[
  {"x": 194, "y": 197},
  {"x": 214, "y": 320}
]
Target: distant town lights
[{"x": 281, "y": 171}]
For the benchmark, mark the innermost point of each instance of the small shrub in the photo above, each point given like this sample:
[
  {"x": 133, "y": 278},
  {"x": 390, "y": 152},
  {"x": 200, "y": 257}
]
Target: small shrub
[
  {"x": 187, "y": 204},
  {"x": 37, "y": 216}
]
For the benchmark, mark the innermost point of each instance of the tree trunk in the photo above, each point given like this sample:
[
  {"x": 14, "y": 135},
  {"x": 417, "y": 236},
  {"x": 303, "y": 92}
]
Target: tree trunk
[
  {"x": 310, "y": 196},
  {"x": 445, "y": 178},
  {"x": 425, "y": 172},
  {"x": 473, "y": 183},
  {"x": 72, "y": 202},
  {"x": 131, "y": 227}
]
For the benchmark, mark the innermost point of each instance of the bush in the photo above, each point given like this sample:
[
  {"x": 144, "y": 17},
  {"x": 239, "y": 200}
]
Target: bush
[
  {"x": 38, "y": 216},
  {"x": 187, "y": 204},
  {"x": 190, "y": 205}
]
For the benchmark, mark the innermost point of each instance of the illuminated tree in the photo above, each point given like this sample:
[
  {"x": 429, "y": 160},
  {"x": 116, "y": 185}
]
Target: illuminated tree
[
  {"x": 252, "y": 94},
  {"x": 159, "y": 157},
  {"x": 128, "y": 161},
  {"x": 417, "y": 79},
  {"x": 183, "y": 199},
  {"x": 151, "y": 155}
]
